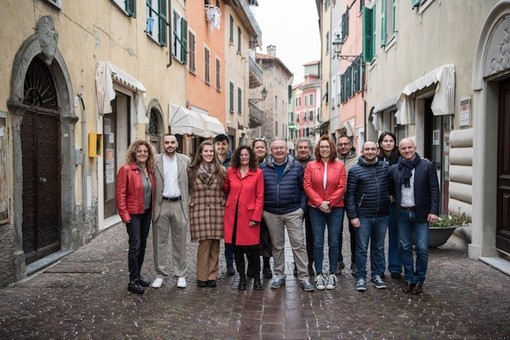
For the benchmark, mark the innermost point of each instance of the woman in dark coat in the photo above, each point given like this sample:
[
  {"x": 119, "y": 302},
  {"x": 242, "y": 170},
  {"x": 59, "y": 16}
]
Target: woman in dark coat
[
  {"x": 388, "y": 151},
  {"x": 244, "y": 185},
  {"x": 206, "y": 207}
]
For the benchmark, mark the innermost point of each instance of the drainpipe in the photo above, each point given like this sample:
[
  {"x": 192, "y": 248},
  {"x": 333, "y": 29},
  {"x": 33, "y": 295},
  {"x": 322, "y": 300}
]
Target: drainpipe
[{"x": 85, "y": 164}]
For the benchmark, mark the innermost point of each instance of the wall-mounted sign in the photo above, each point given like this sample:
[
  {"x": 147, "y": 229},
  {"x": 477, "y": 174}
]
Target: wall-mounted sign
[{"x": 465, "y": 111}]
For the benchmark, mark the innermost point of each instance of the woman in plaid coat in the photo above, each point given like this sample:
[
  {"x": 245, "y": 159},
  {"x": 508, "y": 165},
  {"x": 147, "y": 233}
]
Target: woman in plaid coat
[{"x": 206, "y": 207}]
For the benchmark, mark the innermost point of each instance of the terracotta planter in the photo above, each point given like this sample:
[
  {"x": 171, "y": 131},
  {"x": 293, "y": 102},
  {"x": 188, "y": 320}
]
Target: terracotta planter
[{"x": 439, "y": 236}]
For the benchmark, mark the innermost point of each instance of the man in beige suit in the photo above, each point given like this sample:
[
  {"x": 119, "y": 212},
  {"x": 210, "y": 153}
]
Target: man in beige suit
[{"x": 170, "y": 216}]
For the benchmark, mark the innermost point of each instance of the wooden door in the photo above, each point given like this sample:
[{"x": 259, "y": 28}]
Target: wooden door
[
  {"x": 503, "y": 190},
  {"x": 40, "y": 147}
]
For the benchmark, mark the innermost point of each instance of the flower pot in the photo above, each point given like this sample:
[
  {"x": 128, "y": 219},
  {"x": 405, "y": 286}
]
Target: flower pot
[{"x": 439, "y": 236}]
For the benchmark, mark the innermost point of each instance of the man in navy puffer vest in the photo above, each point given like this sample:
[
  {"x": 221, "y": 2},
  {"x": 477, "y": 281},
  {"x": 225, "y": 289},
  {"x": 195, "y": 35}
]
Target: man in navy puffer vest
[{"x": 284, "y": 206}]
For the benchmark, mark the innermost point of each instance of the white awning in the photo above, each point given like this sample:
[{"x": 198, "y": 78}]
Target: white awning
[
  {"x": 184, "y": 121},
  {"x": 443, "y": 102},
  {"x": 212, "y": 126},
  {"x": 105, "y": 74},
  {"x": 386, "y": 104}
]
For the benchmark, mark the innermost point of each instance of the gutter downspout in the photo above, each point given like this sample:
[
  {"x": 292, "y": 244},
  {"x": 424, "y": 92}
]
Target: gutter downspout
[{"x": 85, "y": 165}]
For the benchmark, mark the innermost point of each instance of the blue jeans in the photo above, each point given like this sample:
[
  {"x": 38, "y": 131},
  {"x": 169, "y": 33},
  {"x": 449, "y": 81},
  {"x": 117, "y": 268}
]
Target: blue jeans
[
  {"x": 138, "y": 230},
  {"x": 373, "y": 230},
  {"x": 407, "y": 225},
  {"x": 335, "y": 223},
  {"x": 394, "y": 260}
]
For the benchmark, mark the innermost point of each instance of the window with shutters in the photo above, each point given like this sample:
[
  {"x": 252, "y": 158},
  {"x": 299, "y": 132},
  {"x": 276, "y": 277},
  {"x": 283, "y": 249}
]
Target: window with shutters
[
  {"x": 231, "y": 31},
  {"x": 218, "y": 74},
  {"x": 368, "y": 34},
  {"x": 344, "y": 26},
  {"x": 239, "y": 100},
  {"x": 207, "y": 66},
  {"x": 157, "y": 20},
  {"x": 388, "y": 21},
  {"x": 239, "y": 47},
  {"x": 231, "y": 97},
  {"x": 128, "y": 6},
  {"x": 180, "y": 34},
  {"x": 192, "y": 55}
]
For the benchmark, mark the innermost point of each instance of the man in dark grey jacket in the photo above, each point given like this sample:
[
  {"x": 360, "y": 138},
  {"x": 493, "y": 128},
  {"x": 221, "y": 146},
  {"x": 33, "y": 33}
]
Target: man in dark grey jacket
[
  {"x": 368, "y": 199},
  {"x": 284, "y": 206}
]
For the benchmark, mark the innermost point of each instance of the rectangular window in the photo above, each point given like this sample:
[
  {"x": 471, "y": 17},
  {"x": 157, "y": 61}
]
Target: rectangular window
[
  {"x": 239, "y": 49},
  {"x": 157, "y": 20},
  {"x": 231, "y": 31},
  {"x": 180, "y": 33},
  {"x": 192, "y": 56},
  {"x": 311, "y": 99},
  {"x": 207, "y": 76},
  {"x": 231, "y": 97},
  {"x": 310, "y": 117},
  {"x": 388, "y": 25},
  {"x": 218, "y": 74},
  {"x": 239, "y": 100},
  {"x": 344, "y": 26}
]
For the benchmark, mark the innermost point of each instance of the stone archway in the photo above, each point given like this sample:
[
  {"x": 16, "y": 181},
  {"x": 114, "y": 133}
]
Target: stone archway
[{"x": 43, "y": 44}]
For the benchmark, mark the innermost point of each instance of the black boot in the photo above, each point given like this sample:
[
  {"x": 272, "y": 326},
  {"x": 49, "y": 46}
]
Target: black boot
[
  {"x": 230, "y": 269},
  {"x": 242, "y": 282},
  {"x": 257, "y": 285},
  {"x": 134, "y": 287}
]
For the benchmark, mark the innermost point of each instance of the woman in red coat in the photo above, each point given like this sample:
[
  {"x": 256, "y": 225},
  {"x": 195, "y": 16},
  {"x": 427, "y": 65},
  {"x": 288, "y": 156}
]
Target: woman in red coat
[
  {"x": 134, "y": 195},
  {"x": 244, "y": 185}
]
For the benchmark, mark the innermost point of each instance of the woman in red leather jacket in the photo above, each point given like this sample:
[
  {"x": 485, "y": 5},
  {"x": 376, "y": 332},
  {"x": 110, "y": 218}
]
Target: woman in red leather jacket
[
  {"x": 134, "y": 195},
  {"x": 324, "y": 183}
]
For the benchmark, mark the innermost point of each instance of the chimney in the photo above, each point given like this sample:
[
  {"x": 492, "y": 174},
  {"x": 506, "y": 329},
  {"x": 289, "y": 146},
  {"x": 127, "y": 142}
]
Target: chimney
[{"x": 271, "y": 51}]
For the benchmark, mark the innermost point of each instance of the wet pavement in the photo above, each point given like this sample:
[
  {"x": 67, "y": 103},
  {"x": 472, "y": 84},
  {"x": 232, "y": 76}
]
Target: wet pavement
[{"x": 84, "y": 296}]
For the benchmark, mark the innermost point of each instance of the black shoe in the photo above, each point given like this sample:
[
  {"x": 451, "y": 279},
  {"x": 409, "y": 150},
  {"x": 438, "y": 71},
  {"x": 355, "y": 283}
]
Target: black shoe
[
  {"x": 267, "y": 272},
  {"x": 230, "y": 269},
  {"x": 201, "y": 284},
  {"x": 295, "y": 270},
  {"x": 257, "y": 285},
  {"x": 242, "y": 283},
  {"x": 135, "y": 288},
  {"x": 396, "y": 276},
  {"x": 418, "y": 289},
  {"x": 142, "y": 281},
  {"x": 408, "y": 288},
  {"x": 211, "y": 283}
]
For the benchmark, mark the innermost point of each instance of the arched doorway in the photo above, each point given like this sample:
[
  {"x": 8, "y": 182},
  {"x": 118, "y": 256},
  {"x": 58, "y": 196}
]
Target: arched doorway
[{"x": 40, "y": 149}]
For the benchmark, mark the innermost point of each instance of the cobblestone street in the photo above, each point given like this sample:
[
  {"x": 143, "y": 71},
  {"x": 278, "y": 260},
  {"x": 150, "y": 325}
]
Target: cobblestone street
[{"x": 84, "y": 296}]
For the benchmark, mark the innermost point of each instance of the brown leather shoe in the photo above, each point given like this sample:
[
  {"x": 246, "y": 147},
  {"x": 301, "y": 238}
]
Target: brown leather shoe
[
  {"x": 408, "y": 288},
  {"x": 418, "y": 289}
]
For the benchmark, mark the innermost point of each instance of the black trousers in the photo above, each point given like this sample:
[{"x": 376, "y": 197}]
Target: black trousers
[
  {"x": 138, "y": 230},
  {"x": 252, "y": 253}
]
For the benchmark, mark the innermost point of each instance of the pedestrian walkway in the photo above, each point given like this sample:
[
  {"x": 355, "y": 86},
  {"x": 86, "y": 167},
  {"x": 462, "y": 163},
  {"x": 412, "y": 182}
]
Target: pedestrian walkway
[{"x": 84, "y": 296}]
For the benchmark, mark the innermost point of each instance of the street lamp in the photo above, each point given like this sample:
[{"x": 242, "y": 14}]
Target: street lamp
[
  {"x": 263, "y": 96},
  {"x": 337, "y": 50}
]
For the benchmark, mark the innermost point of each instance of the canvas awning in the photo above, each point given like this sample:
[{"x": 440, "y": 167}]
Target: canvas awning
[
  {"x": 184, "y": 121},
  {"x": 105, "y": 74},
  {"x": 379, "y": 108},
  {"x": 443, "y": 102}
]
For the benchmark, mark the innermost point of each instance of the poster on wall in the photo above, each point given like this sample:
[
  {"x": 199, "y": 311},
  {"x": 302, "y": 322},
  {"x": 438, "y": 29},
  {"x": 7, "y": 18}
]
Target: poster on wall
[
  {"x": 465, "y": 111},
  {"x": 109, "y": 166},
  {"x": 4, "y": 176}
]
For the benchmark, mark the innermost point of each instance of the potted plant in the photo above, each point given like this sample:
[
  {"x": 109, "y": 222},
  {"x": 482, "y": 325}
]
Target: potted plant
[{"x": 441, "y": 231}]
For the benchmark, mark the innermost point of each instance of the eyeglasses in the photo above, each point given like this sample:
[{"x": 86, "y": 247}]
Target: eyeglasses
[{"x": 343, "y": 144}]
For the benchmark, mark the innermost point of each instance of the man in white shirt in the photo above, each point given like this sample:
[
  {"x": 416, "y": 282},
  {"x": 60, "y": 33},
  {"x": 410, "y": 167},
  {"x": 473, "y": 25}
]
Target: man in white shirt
[{"x": 170, "y": 212}]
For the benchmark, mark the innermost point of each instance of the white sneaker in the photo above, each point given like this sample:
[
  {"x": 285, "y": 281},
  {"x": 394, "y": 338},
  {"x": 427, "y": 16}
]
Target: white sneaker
[
  {"x": 319, "y": 282},
  {"x": 157, "y": 283},
  {"x": 181, "y": 282},
  {"x": 331, "y": 281}
]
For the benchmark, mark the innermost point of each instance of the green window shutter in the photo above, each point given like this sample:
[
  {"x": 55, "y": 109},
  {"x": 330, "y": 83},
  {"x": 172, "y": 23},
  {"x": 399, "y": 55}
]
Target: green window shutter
[
  {"x": 231, "y": 30},
  {"x": 184, "y": 40},
  {"x": 383, "y": 23},
  {"x": 231, "y": 97},
  {"x": 368, "y": 52},
  {"x": 131, "y": 7},
  {"x": 415, "y": 3},
  {"x": 163, "y": 23}
]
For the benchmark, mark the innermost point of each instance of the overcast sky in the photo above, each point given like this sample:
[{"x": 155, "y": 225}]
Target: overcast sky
[{"x": 292, "y": 26}]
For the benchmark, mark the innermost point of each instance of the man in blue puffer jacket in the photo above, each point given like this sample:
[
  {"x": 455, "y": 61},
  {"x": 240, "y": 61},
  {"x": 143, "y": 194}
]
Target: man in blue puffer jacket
[
  {"x": 367, "y": 199},
  {"x": 284, "y": 206}
]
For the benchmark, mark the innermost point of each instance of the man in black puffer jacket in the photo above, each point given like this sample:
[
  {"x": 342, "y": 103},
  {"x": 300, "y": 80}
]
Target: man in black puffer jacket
[
  {"x": 367, "y": 200},
  {"x": 284, "y": 207}
]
